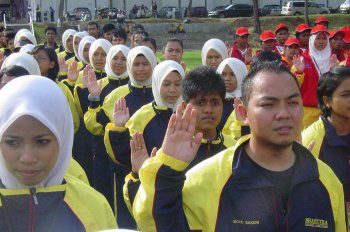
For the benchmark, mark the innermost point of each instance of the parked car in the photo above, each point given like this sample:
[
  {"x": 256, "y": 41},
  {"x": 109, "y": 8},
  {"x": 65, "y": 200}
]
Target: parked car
[
  {"x": 235, "y": 10},
  {"x": 81, "y": 14},
  {"x": 298, "y": 8},
  {"x": 345, "y": 7},
  {"x": 168, "y": 11},
  {"x": 271, "y": 10},
  {"x": 197, "y": 11}
]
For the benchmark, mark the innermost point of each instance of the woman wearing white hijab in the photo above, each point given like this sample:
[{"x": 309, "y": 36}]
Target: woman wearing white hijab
[
  {"x": 24, "y": 60},
  {"x": 213, "y": 52},
  {"x": 24, "y": 36},
  {"x": 67, "y": 43},
  {"x": 27, "y": 48},
  {"x": 232, "y": 71},
  {"x": 318, "y": 60},
  {"x": 84, "y": 47},
  {"x": 35, "y": 150},
  {"x": 76, "y": 41}
]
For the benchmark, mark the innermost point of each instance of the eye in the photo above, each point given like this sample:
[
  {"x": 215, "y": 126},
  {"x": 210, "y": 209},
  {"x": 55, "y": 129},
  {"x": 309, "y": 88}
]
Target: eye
[
  {"x": 12, "y": 142},
  {"x": 43, "y": 141},
  {"x": 294, "y": 103}
]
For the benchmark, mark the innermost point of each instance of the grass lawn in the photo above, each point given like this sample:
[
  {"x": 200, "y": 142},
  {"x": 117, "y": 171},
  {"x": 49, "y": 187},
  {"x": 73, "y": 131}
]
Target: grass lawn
[{"x": 191, "y": 58}]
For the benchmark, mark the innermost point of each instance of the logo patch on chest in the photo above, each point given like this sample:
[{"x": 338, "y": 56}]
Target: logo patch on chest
[{"x": 316, "y": 223}]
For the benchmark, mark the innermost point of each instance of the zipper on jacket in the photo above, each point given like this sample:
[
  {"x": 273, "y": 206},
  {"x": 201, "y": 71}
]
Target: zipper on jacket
[
  {"x": 32, "y": 198},
  {"x": 143, "y": 95}
]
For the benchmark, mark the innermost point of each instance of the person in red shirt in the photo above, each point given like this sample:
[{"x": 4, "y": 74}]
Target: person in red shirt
[
  {"x": 302, "y": 33},
  {"x": 318, "y": 59},
  {"x": 241, "y": 48},
  {"x": 337, "y": 44},
  {"x": 267, "y": 41},
  {"x": 291, "y": 52},
  {"x": 321, "y": 21},
  {"x": 281, "y": 34}
]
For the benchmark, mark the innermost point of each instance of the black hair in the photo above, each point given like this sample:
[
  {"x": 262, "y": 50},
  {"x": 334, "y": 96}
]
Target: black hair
[
  {"x": 51, "y": 28},
  {"x": 174, "y": 39},
  {"x": 297, "y": 34},
  {"x": 200, "y": 81},
  {"x": 10, "y": 35},
  {"x": 120, "y": 32},
  {"x": 328, "y": 83},
  {"x": 14, "y": 70},
  {"x": 91, "y": 23},
  {"x": 152, "y": 40},
  {"x": 265, "y": 56},
  {"x": 53, "y": 72},
  {"x": 263, "y": 66},
  {"x": 107, "y": 27}
]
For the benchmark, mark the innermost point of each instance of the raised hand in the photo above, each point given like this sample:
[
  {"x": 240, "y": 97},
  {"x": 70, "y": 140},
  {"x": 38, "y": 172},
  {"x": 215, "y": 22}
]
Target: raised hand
[
  {"x": 138, "y": 151},
  {"x": 121, "y": 113},
  {"x": 85, "y": 78},
  {"x": 92, "y": 84},
  {"x": 248, "y": 57},
  {"x": 334, "y": 62},
  {"x": 183, "y": 65},
  {"x": 73, "y": 71},
  {"x": 62, "y": 64},
  {"x": 298, "y": 63},
  {"x": 180, "y": 141}
]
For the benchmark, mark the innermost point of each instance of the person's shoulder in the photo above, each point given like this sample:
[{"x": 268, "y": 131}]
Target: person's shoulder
[{"x": 119, "y": 92}]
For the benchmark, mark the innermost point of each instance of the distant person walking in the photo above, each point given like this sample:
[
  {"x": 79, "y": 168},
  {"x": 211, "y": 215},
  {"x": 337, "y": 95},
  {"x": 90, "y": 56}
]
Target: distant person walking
[
  {"x": 52, "y": 14},
  {"x": 38, "y": 13},
  {"x": 154, "y": 9}
]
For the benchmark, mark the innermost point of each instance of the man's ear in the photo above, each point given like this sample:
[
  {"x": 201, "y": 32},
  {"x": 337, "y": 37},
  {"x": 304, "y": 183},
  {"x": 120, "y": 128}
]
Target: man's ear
[{"x": 240, "y": 110}]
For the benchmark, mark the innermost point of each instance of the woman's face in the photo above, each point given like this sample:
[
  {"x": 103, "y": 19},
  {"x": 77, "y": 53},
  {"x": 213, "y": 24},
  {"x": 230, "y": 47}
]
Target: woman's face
[
  {"x": 99, "y": 59},
  {"x": 118, "y": 63},
  {"x": 213, "y": 59},
  {"x": 86, "y": 52},
  {"x": 77, "y": 40},
  {"x": 141, "y": 68},
  {"x": 340, "y": 100},
  {"x": 229, "y": 78},
  {"x": 29, "y": 149},
  {"x": 321, "y": 41},
  {"x": 170, "y": 90},
  {"x": 44, "y": 62},
  {"x": 69, "y": 44}
]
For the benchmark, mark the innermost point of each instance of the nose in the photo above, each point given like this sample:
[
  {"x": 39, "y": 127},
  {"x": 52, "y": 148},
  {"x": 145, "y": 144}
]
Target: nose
[
  {"x": 208, "y": 109},
  {"x": 283, "y": 112},
  {"x": 28, "y": 155}
]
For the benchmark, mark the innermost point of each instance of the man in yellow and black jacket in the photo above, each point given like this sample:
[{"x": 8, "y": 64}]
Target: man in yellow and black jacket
[{"x": 266, "y": 182}]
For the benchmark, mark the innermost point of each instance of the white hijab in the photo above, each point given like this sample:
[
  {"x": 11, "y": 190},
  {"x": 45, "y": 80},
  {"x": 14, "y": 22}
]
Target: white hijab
[
  {"x": 216, "y": 45},
  {"x": 321, "y": 59},
  {"x": 28, "y": 48},
  {"x": 42, "y": 99},
  {"x": 24, "y": 33},
  {"x": 24, "y": 60},
  {"x": 65, "y": 37},
  {"x": 239, "y": 69},
  {"x": 99, "y": 43},
  {"x": 149, "y": 55},
  {"x": 81, "y": 35},
  {"x": 160, "y": 72},
  {"x": 111, "y": 54},
  {"x": 86, "y": 40}
]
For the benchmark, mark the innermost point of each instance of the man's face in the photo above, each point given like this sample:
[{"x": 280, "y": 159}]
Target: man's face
[
  {"x": 304, "y": 38},
  {"x": 173, "y": 51},
  {"x": 118, "y": 40},
  {"x": 291, "y": 51},
  {"x": 242, "y": 40},
  {"x": 93, "y": 31},
  {"x": 275, "y": 117},
  {"x": 11, "y": 45},
  {"x": 209, "y": 111},
  {"x": 282, "y": 36},
  {"x": 50, "y": 36},
  {"x": 108, "y": 36},
  {"x": 337, "y": 42},
  {"x": 268, "y": 45}
]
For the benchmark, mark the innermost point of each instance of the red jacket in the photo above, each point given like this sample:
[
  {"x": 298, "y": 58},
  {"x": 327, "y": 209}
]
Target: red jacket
[
  {"x": 236, "y": 53},
  {"x": 341, "y": 55},
  {"x": 309, "y": 85}
]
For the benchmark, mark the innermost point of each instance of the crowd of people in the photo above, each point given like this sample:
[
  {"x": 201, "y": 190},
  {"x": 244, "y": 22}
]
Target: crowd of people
[{"x": 250, "y": 140}]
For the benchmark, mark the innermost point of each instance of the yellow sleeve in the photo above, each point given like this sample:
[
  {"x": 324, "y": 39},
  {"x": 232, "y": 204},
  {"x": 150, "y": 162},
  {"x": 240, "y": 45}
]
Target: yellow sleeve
[
  {"x": 299, "y": 76},
  {"x": 314, "y": 133},
  {"x": 107, "y": 140},
  {"x": 77, "y": 171},
  {"x": 91, "y": 123}
]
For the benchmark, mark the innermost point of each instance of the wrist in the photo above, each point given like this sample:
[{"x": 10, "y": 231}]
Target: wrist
[{"x": 93, "y": 98}]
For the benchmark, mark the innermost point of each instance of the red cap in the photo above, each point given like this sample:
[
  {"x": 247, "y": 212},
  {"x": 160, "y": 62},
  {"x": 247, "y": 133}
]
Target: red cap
[
  {"x": 346, "y": 31},
  {"x": 321, "y": 19},
  {"x": 291, "y": 41},
  {"x": 302, "y": 27},
  {"x": 281, "y": 26},
  {"x": 267, "y": 35},
  {"x": 319, "y": 28},
  {"x": 334, "y": 32},
  {"x": 241, "y": 31}
]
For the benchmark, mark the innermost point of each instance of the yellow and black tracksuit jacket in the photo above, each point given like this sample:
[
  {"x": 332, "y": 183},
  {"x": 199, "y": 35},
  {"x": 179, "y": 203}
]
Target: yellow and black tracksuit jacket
[
  {"x": 228, "y": 192},
  {"x": 98, "y": 116},
  {"x": 66, "y": 54},
  {"x": 71, "y": 206},
  {"x": 331, "y": 148}
]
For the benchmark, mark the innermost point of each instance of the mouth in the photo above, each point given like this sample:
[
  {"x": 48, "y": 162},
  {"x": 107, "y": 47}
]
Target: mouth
[
  {"x": 28, "y": 173},
  {"x": 283, "y": 130},
  {"x": 208, "y": 119}
]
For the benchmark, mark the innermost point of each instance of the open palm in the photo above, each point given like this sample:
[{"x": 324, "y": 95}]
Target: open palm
[
  {"x": 180, "y": 141},
  {"x": 121, "y": 113},
  {"x": 92, "y": 84}
]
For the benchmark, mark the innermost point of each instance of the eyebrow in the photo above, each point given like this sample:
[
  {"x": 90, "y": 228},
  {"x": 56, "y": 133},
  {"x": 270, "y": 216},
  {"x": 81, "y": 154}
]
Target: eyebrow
[
  {"x": 19, "y": 137},
  {"x": 275, "y": 98}
]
